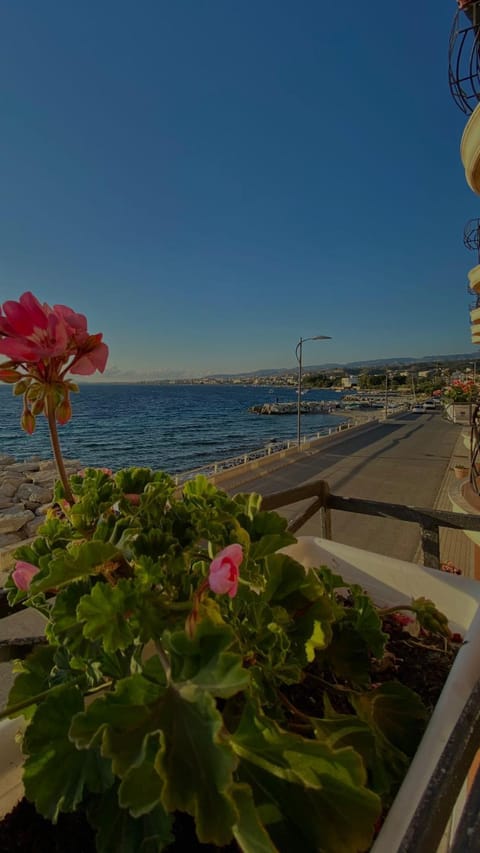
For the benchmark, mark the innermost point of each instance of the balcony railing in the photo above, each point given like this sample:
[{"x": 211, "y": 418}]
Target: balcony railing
[{"x": 464, "y": 58}]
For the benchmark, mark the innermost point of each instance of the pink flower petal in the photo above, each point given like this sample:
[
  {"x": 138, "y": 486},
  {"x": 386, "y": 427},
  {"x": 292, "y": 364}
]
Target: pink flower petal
[
  {"x": 26, "y": 315},
  {"x": 91, "y": 361}
]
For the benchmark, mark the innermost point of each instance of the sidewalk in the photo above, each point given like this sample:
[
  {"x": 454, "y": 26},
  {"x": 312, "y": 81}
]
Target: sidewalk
[{"x": 455, "y": 546}]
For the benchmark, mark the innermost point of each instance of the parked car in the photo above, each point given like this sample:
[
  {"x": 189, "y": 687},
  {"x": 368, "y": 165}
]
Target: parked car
[
  {"x": 429, "y": 405},
  {"x": 418, "y": 409}
]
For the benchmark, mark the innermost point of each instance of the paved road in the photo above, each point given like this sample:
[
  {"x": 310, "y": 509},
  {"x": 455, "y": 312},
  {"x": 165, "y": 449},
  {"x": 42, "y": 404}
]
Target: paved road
[{"x": 401, "y": 461}]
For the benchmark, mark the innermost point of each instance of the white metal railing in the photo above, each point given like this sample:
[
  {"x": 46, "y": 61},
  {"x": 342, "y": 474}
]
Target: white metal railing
[{"x": 270, "y": 449}]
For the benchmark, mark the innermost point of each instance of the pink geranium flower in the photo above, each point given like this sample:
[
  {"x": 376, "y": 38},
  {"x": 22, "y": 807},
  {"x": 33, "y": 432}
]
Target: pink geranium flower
[
  {"x": 224, "y": 571},
  {"x": 23, "y": 574},
  {"x": 43, "y": 345},
  {"x": 31, "y": 332}
]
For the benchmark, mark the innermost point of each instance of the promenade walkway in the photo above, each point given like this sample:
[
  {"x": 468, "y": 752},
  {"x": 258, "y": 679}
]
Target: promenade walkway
[{"x": 405, "y": 460}]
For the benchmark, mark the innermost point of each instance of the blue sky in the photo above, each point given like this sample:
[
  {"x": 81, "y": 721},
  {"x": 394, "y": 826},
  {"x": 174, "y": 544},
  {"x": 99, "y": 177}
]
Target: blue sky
[{"x": 209, "y": 180}]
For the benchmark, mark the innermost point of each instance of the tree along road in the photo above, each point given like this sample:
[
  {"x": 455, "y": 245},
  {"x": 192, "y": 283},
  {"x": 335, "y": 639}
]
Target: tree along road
[{"x": 402, "y": 460}]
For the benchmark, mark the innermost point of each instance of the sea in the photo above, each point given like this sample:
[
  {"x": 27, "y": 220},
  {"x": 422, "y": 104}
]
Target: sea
[{"x": 174, "y": 428}]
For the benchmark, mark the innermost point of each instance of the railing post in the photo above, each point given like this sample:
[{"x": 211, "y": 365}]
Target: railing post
[
  {"x": 431, "y": 546},
  {"x": 325, "y": 514}
]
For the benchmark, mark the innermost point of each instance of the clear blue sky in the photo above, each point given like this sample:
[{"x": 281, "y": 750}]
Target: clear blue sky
[{"x": 209, "y": 180}]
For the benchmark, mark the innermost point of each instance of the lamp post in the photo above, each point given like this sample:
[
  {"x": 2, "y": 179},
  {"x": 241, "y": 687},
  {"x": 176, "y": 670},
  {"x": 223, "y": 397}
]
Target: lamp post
[
  {"x": 298, "y": 353},
  {"x": 386, "y": 395}
]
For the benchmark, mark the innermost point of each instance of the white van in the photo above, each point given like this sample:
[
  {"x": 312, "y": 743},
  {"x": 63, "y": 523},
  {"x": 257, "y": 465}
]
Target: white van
[{"x": 429, "y": 405}]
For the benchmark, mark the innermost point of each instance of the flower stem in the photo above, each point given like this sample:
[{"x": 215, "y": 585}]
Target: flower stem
[{"x": 52, "y": 425}]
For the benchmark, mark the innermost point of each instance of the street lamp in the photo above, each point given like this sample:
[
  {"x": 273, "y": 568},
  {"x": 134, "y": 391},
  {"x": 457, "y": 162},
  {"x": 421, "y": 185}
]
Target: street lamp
[
  {"x": 386, "y": 394},
  {"x": 298, "y": 353}
]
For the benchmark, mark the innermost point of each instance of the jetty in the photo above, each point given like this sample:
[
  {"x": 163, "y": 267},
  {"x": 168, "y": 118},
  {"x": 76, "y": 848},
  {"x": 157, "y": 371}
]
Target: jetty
[
  {"x": 348, "y": 403},
  {"x": 311, "y": 407}
]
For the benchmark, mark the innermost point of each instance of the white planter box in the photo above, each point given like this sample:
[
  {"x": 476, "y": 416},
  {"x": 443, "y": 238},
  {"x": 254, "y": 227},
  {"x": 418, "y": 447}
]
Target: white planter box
[
  {"x": 459, "y": 413},
  {"x": 389, "y": 582}
]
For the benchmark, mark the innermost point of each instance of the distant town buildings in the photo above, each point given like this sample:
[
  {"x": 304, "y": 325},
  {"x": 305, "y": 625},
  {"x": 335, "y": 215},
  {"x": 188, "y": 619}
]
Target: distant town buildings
[{"x": 349, "y": 381}]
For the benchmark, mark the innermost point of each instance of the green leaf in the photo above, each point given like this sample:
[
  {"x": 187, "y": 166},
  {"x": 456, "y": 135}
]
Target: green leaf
[
  {"x": 118, "y": 831},
  {"x": 205, "y": 662},
  {"x": 78, "y": 561},
  {"x": 366, "y": 620},
  {"x": 141, "y": 787},
  {"x": 321, "y": 792},
  {"x": 33, "y": 677},
  {"x": 330, "y": 580},
  {"x": 104, "y": 614},
  {"x": 63, "y": 627},
  {"x": 55, "y": 771},
  {"x": 248, "y": 503},
  {"x": 288, "y": 579},
  {"x": 249, "y": 831},
  {"x": 318, "y": 640},
  {"x": 56, "y": 532},
  {"x": 396, "y": 713},
  {"x": 200, "y": 487},
  {"x": 194, "y": 761},
  {"x": 385, "y": 764},
  {"x": 347, "y": 654},
  {"x": 120, "y": 722},
  {"x": 196, "y": 764}
]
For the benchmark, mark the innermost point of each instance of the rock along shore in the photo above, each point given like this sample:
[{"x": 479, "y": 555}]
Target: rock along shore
[{"x": 26, "y": 490}]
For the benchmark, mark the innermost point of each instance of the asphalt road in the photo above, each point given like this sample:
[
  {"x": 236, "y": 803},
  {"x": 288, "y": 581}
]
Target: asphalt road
[{"x": 403, "y": 460}]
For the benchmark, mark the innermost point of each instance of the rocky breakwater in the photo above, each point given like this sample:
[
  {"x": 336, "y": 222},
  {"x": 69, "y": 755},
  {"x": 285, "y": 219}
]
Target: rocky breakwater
[
  {"x": 307, "y": 407},
  {"x": 26, "y": 490}
]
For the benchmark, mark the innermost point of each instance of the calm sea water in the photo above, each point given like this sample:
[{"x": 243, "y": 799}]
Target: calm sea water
[{"x": 170, "y": 427}]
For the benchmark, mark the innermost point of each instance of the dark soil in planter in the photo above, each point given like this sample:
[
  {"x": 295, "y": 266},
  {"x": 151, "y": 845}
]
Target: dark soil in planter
[
  {"x": 25, "y": 831},
  {"x": 421, "y": 663}
]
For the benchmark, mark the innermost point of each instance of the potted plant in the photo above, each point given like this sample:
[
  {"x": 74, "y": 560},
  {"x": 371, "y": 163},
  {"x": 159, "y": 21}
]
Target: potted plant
[
  {"x": 180, "y": 637},
  {"x": 459, "y": 398},
  {"x": 461, "y": 471}
]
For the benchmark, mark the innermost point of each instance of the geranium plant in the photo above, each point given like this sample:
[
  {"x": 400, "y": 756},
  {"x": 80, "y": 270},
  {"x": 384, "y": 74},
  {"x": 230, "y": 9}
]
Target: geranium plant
[{"x": 178, "y": 637}]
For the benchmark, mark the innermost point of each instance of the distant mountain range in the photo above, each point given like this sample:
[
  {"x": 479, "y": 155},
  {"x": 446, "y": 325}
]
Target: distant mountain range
[{"x": 401, "y": 361}]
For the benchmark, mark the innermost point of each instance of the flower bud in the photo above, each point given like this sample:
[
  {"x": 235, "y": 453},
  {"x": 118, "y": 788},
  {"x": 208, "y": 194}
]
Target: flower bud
[
  {"x": 38, "y": 406},
  {"x": 28, "y": 421},
  {"x": 23, "y": 574},
  {"x": 21, "y": 387},
  {"x": 63, "y": 412},
  {"x": 224, "y": 570},
  {"x": 9, "y": 375}
]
